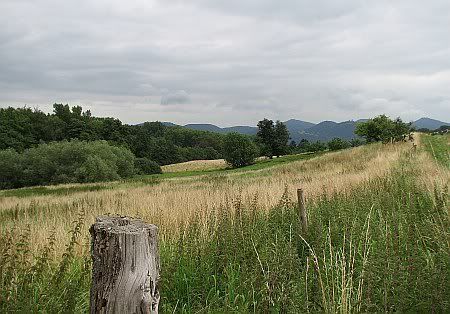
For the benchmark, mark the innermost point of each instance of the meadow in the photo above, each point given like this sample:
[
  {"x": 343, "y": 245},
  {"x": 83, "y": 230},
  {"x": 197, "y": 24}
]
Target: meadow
[{"x": 230, "y": 240}]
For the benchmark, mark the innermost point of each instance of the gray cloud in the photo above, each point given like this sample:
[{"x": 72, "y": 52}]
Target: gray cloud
[
  {"x": 228, "y": 62},
  {"x": 178, "y": 97}
]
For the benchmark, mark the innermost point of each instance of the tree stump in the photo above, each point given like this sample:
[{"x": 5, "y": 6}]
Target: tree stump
[{"x": 125, "y": 266}]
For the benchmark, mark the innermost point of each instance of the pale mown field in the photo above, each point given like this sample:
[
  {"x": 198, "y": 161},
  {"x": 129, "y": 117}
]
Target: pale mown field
[
  {"x": 171, "y": 202},
  {"x": 196, "y": 165}
]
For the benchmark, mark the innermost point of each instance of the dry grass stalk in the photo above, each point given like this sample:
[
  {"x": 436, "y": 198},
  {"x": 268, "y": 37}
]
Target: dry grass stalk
[
  {"x": 196, "y": 165},
  {"x": 172, "y": 202}
]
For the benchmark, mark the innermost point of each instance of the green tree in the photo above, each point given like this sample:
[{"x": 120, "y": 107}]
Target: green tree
[
  {"x": 317, "y": 146},
  {"x": 239, "y": 150},
  {"x": 338, "y": 143},
  {"x": 23, "y": 128},
  {"x": 382, "y": 128},
  {"x": 65, "y": 162},
  {"x": 10, "y": 169},
  {"x": 146, "y": 166},
  {"x": 273, "y": 138},
  {"x": 280, "y": 145},
  {"x": 304, "y": 146},
  {"x": 266, "y": 136},
  {"x": 355, "y": 142}
]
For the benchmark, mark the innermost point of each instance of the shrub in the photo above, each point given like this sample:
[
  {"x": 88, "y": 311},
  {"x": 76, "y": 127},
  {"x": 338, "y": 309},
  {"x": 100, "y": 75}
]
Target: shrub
[
  {"x": 382, "y": 128},
  {"x": 337, "y": 143},
  {"x": 10, "y": 169},
  {"x": 65, "y": 162},
  {"x": 239, "y": 150},
  {"x": 146, "y": 166}
]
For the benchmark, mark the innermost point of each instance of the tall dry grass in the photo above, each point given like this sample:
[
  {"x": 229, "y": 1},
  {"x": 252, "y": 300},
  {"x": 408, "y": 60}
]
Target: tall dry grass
[
  {"x": 377, "y": 240},
  {"x": 196, "y": 165},
  {"x": 172, "y": 202}
]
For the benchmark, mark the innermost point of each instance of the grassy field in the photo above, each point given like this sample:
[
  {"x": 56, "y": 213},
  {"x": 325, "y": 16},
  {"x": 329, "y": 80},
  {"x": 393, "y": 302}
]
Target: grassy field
[
  {"x": 438, "y": 147},
  {"x": 378, "y": 237},
  {"x": 187, "y": 169}
]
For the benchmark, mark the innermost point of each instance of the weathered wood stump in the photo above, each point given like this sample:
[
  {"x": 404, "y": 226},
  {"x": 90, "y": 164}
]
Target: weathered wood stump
[{"x": 125, "y": 266}]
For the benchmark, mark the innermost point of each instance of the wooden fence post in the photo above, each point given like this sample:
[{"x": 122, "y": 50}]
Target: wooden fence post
[
  {"x": 302, "y": 211},
  {"x": 125, "y": 265}
]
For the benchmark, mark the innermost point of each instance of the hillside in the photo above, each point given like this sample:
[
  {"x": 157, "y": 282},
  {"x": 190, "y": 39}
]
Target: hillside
[
  {"x": 294, "y": 126},
  {"x": 327, "y": 130},
  {"x": 298, "y": 129},
  {"x": 205, "y": 245},
  {"x": 427, "y": 123}
]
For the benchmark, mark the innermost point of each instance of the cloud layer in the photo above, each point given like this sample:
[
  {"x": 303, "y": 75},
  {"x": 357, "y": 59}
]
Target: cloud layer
[{"x": 228, "y": 62}]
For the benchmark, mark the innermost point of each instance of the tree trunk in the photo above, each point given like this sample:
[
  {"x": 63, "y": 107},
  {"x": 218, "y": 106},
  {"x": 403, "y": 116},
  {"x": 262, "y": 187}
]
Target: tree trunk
[{"x": 125, "y": 266}]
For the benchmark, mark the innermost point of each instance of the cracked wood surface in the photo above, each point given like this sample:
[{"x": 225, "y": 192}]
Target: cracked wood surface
[{"x": 125, "y": 266}]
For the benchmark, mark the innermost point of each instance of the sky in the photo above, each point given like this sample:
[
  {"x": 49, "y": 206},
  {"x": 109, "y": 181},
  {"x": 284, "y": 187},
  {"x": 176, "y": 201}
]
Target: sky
[{"x": 228, "y": 62}]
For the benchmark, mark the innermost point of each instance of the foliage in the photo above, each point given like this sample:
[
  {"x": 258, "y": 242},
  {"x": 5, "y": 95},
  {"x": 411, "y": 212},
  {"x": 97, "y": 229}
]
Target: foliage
[
  {"x": 382, "y": 128},
  {"x": 337, "y": 144},
  {"x": 10, "y": 169},
  {"x": 22, "y": 128},
  {"x": 355, "y": 142},
  {"x": 65, "y": 162},
  {"x": 273, "y": 138},
  {"x": 36, "y": 284},
  {"x": 304, "y": 146},
  {"x": 146, "y": 166},
  {"x": 239, "y": 150},
  {"x": 266, "y": 136},
  {"x": 317, "y": 146},
  {"x": 281, "y": 139}
]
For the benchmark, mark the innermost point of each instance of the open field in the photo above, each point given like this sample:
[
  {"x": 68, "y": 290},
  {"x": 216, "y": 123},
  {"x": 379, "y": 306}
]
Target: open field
[
  {"x": 196, "y": 165},
  {"x": 438, "y": 147},
  {"x": 171, "y": 202},
  {"x": 378, "y": 240},
  {"x": 175, "y": 171}
]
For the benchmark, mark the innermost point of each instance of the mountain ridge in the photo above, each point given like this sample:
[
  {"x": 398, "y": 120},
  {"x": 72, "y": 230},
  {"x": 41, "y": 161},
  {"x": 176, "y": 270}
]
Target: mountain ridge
[{"x": 298, "y": 129}]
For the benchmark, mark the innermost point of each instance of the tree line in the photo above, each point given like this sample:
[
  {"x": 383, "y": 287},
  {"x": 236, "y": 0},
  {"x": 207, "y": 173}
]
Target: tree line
[
  {"x": 272, "y": 140},
  {"x": 70, "y": 145},
  {"x": 23, "y": 128}
]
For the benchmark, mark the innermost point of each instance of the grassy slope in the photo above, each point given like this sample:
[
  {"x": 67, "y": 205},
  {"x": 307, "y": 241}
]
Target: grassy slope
[
  {"x": 383, "y": 246},
  {"x": 149, "y": 179},
  {"x": 438, "y": 147}
]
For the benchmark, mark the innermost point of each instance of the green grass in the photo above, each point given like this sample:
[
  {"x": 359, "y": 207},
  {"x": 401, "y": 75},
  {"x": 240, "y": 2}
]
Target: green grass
[
  {"x": 149, "y": 179},
  {"x": 44, "y": 190},
  {"x": 438, "y": 146},
  {"x": 383, "y": 247},
  {"x": 262, "y": 164}
]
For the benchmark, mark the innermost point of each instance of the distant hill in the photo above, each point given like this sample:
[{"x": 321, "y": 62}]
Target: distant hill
[
  {"x": 249, "y": 130},
  {"x": 298, "y": 129},
  {"x": 427, "y": 123},
  {"x": 294, "y": 127},
  {"x": 204, "y": 127},
  {"x": 327, "y": 130}
]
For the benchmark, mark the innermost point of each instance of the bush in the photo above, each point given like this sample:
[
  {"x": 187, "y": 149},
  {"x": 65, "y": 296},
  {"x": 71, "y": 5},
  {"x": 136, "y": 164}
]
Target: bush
[
  {"x": 146, "y": 166},
  {"x": 382, "y": 128},
  {"x": 337, "y": 143},
  {"x": 317, "y": 146},
  {"x": 65, "y": 162},
  {"x": 239, "y": 150},
  {"x": 10, "y": 169}
]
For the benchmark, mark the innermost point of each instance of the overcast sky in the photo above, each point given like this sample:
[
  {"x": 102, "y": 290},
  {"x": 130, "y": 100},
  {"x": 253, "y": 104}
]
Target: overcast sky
[{"x": 228, "y": 62}]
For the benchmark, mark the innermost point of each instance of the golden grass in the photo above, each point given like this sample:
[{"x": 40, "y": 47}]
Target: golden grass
[
  {"x": 172, "y": 202},
  {"x": 429, "y": 171},
  {"x": 196, "y": 165}
]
